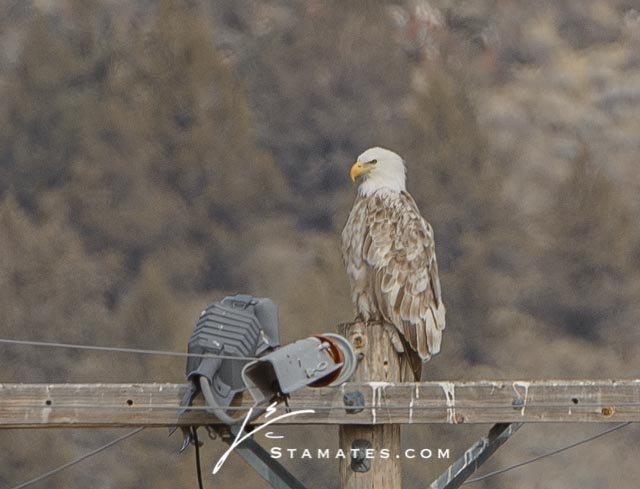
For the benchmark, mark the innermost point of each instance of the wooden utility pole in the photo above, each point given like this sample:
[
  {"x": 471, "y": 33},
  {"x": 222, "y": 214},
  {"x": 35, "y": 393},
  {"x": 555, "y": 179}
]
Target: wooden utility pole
[{"x": 379, "y": 363}]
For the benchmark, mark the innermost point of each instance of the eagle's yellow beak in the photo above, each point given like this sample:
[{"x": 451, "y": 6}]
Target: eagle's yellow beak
[{"x": 359, "y": 169}]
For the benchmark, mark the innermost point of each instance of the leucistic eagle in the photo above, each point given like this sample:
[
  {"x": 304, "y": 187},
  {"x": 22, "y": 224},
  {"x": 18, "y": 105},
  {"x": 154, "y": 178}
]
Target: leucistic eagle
[{"x": 389, "y": 253}]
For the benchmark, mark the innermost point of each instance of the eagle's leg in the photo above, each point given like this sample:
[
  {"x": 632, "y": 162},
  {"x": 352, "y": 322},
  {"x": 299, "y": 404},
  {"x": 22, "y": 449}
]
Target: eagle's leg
[{"x": 366, "y": 317}]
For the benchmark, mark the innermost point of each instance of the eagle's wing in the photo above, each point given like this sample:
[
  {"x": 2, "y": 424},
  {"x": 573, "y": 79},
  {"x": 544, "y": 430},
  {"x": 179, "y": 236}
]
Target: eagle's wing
[{"x": 399, "y": 248}]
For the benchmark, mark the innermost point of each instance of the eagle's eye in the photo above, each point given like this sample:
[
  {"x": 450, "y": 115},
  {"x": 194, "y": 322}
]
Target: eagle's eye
[{"x": 372, "y": 162}]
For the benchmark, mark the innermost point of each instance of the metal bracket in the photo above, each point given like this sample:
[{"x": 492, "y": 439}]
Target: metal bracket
[
  {"x": 474, "y": 457},
  {"x": 259, "y": 459}
]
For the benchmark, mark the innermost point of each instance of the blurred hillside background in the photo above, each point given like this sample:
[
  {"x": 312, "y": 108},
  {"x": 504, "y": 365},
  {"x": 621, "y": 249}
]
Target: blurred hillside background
[{"x": 158, "y": 155}]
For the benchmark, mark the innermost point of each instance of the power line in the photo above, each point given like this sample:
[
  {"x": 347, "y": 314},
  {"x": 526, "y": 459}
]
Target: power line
[
  {"x": 470, "y": 481},
  {"x": 77, "y": 460},
  {"x": 548, "y": 454},
  {"x": 119, "y": 349},
  {"x": 196, "y": 442}
]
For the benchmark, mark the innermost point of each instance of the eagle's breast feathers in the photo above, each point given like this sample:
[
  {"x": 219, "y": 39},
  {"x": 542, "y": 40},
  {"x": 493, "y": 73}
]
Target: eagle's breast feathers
[{"x": 389, "y": 254}]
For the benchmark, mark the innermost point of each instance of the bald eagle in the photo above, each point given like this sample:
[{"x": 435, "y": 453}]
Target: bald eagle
[{"x": 389, "y": 254}]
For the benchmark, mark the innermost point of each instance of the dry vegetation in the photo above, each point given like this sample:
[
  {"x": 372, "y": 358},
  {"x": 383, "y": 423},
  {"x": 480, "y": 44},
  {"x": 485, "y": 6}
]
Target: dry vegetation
[{"x": 158, "y": 155}]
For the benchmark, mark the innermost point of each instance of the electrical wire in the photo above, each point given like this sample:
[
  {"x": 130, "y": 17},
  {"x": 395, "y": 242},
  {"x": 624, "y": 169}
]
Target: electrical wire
[
  {"x": 548, "y": 454},
  {"x": 119, "y": 349},
  {"x": 196, "y": 442},
  {"x": 196, "y": 408},
  {"x": 77, "y": 460},
  {"x": 199, "y": 468}
]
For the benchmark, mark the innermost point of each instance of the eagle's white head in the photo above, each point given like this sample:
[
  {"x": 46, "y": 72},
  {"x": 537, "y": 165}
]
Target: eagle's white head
[{"x": 379, "y": 168}]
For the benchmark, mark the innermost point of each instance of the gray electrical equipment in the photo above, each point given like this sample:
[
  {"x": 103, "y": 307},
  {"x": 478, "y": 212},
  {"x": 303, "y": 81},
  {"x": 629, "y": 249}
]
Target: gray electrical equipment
[
  {"x": 235, "y": 328},
  {"x": 317, "y": 361},
  {"x": 239, "y": 329}
]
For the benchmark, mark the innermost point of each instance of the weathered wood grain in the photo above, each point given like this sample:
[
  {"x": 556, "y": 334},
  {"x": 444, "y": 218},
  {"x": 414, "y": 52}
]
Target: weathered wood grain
[
  {"x": 104, "y": 405},
  {"x": 379, "y": 362}
]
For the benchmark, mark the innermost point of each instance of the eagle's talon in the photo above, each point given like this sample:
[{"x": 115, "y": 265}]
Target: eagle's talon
[{"x": 394, "y": 337}]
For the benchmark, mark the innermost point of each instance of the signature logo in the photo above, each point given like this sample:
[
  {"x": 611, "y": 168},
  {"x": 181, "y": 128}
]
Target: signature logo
[{"x": 271, "y": 410}]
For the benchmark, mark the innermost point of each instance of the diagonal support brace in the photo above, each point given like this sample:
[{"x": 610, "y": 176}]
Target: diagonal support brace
[
  {"x": 474, "y": 457},
  {"x": 259, "y": 459}
]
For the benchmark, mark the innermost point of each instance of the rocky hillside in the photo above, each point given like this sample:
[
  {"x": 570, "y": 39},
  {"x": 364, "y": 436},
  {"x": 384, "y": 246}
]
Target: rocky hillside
[{"x": 156, "y": 155}]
